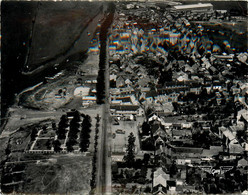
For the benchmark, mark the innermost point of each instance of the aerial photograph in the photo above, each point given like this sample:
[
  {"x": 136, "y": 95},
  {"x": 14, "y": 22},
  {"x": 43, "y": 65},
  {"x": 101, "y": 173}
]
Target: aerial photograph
[{"x": 124, "y": 97}]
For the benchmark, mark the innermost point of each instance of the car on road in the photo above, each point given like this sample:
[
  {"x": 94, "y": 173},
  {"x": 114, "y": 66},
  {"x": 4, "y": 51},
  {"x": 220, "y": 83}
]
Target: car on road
[{"x": 120, "y": 131}]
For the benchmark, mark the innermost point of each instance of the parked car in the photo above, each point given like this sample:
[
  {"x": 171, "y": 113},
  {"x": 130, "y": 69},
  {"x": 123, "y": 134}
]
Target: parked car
[{"x": 119, "y": 131}]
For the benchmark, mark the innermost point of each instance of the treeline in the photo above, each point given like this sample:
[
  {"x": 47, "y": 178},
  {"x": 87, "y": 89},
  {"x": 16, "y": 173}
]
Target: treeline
[
  {"x": 94, "y": 160},
  {"x": 79, "y": 132},
  {"x": 100, "y": 87}
]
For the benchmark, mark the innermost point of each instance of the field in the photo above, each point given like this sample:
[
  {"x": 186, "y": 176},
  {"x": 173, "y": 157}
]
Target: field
[
  {"x": 64, "y": 174},
  {"x": 59, "y": 174}
]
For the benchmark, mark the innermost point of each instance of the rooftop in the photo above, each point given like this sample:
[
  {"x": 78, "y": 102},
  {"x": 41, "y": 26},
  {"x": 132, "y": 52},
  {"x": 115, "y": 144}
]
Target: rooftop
[{"x": 192, "y": 6}]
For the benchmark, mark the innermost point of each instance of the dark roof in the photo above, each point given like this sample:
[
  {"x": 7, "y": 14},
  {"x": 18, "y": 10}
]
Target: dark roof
[
  {"x": 171, "y": 183},
  {"x": 151, "y": 93},
  {"x": 159, "y": 189},
  {"x": 124, "y": 107},
  {"x": 187, "y": 150},
  {"x": 124, "y": 99}
]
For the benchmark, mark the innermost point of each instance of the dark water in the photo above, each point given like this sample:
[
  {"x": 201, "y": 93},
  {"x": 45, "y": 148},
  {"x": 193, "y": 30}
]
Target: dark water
[{"x": 17, "y": 24}]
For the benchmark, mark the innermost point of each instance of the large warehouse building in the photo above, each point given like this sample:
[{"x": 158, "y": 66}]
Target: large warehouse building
[{"x": 195, "y": 7}]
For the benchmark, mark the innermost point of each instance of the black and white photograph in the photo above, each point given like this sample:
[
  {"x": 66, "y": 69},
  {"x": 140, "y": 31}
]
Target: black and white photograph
[{"x": 145, "y": 97}]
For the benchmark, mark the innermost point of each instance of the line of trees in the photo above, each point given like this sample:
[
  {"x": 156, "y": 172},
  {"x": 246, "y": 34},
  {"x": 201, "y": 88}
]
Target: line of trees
[
  {"x": 93, "y": 176},
  {"x": 85, "y": 134},
  {"x": 100, "y": 86},
  {"x": 73, "y": 133}
]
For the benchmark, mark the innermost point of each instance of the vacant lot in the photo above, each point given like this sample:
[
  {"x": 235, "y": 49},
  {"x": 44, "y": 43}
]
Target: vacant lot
[{"x": 68, "y": 173}]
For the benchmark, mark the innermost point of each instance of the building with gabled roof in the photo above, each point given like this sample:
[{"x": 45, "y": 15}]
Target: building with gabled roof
[{"x": 160, "y": 179}]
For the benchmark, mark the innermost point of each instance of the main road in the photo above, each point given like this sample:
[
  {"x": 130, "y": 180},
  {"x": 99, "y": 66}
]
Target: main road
[
  {"x": 103, "y": 181},
  {"x": 104, "y": 152}
]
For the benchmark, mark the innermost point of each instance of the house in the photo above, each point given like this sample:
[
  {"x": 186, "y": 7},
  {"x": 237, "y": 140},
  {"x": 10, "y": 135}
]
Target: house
[
  {"x": 183, "y": 161},
  {"x": 166, "y": 108},
  {"x": 182, "y": 133},
  {"x": 242, "y": 163},
  {"x": 160, "y": 181},
  {"x": 112, "y": 77},
  {"x": 171, "y": 186},
  {"x": 224, "y": 57},
  {"x": 160, "y": 141},
  {"x": 158, "y": 131},
  {"x": 213, "y": 150},
  {"x": 188, "y": 69},
  {"x": 88, "y": 100},
  {"x": 186, "y": 152},
  {"x": 154, "y": 117},
  {"x": 242, "y": 57},
  {"x": 81, "y": 91},
  {"x": 128, "y": 69},
  {"x": 242, "y": 117},
  {"x": 230, "y": 140},
  {"x": 235, "y": 147},
  {"x": 128, "y": 82},
  {"x": 195, "y": 90},
  {"x": 124, "y": 110},
  {"x": 120, "y": 81},
  {"x": 124, "y": 100}
]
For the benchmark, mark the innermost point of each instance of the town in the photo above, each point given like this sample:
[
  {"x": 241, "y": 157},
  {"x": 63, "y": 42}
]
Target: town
[
  {"x": 178, "y": 101},
  {"x": 157, "y": 105}
]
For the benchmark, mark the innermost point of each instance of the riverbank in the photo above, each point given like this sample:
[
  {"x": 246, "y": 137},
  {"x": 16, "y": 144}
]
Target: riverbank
[{"x": 15, "y": 46}]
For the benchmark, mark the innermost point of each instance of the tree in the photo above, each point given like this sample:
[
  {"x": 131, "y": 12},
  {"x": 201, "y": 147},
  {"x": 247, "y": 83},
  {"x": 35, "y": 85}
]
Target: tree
[
  {"x": 146, "y": 158},
  {"x": 54, "y": 126},
  {"x": 173, "y": 169},
  {"x": 148, "y": 112},
  {"x": 56, "y": 146},
  {"x": 63, "y": 124},
  {"x": 98, "y": 118},
  {"x": 74, "y": 128},
  {"x": 48, "y": 144},
  {"x": 129, "y": 157},
  {"x": 34, "y": 134},
  {"x": 69, "y": 146},
  {"x": 86, "y": 122},
  {"x": 148, "y": 144},
  {"x": 146, "y": 128},
  {"x": 147, "y": 189},
  {"x": 77, "y": 116}
]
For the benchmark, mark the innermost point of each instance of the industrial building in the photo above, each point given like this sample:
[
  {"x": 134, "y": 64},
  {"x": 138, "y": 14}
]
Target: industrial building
[{"x": 195, "y": 7}]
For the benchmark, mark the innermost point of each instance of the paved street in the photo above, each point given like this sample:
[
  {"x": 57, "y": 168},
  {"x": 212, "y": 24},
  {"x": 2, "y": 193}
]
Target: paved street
[{"x": 104, "y": 156}]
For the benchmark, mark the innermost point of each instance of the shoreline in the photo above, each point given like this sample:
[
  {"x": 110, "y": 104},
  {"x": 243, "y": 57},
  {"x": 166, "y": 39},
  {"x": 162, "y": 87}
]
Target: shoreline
[{"x": 78, "y": 46}]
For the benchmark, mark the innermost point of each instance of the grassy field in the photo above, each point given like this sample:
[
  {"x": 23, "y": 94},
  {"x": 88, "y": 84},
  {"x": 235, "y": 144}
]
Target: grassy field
[{"x": 60, "y": 174}]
